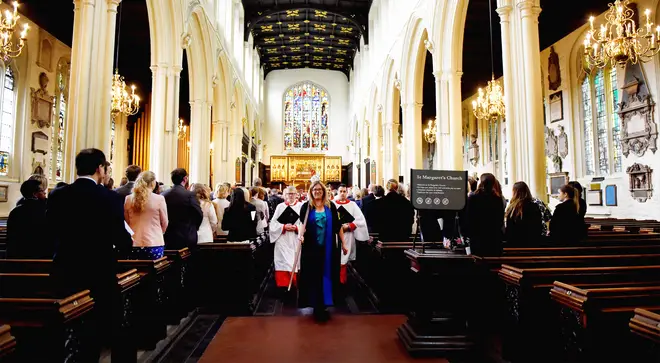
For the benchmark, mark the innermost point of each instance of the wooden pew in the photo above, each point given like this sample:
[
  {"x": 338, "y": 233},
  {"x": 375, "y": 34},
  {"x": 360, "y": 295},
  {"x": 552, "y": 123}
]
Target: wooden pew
[
  {"x": 7, "y": 341},
  {"x": 530, "y": 311},
  {"x": 645, "y": 327},
  {"x": 124, "y": 349},
  {"x": 180, "y": 302},
  {"x": 595, "y": 321},
  {"x": 51, "y": 329},
  {"x": 228, "y": 277}
]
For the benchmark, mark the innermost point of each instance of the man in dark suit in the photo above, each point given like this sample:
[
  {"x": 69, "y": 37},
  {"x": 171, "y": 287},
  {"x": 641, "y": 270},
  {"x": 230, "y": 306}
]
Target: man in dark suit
[
  {"x": 132, "y": 172},
  {"x": 370, "y": 210},
  {"x": 183, "y": 211},
  {"x": 395, "y": 215},
  {"x": 87, "y": 224}
]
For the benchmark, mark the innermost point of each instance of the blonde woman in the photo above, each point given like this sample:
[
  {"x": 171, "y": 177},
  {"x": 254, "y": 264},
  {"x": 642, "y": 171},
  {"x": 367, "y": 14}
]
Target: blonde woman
[
  {"x": 210, "y": 219},
  {"x": 322, "y": 245},
  {"x": 220, "y": 203},
  {"x": 146, "y": 214}
]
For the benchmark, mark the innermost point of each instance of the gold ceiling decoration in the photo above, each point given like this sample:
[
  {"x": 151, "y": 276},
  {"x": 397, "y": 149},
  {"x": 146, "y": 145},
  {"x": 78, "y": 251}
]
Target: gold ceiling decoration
[
  {"x": 319, "y": 27},
  {"x": 293, "y": 27},
  {"x": 320, "y": 14},
  {"x": 269, "y": 40},
  {"x": 346, "y": 30},
  {"x": 266, "y": 28},
  {"x": 292, "y": 13}
]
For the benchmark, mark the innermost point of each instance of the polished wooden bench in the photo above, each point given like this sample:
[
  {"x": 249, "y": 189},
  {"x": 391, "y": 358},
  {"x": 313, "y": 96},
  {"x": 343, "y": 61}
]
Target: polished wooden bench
[
  {"x": 180, "y": 301},
  {"x": 645, "y": 327},
  {"x": 55, "y": 329},
  {"x": 595, "y": 321},
  {"x": 7, "y": 341}
]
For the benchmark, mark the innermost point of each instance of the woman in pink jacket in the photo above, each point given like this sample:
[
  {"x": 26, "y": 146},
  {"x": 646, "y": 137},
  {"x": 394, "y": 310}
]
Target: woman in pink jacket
[{"x": 146, "y": 214}]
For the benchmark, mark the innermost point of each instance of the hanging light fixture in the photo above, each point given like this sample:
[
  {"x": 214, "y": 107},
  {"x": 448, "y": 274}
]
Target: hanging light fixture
[
  {"x": 489, "y": 104},
  {"x": 181, "y": 130},
  {"x": 122, "y": 101},
  {"x": 8, "y": 49},
  {"x": 620, "y": 41}
]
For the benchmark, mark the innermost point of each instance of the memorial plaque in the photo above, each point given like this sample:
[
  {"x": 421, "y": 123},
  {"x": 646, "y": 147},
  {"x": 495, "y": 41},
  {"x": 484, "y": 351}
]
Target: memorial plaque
[{"x": 438, "y": 189}]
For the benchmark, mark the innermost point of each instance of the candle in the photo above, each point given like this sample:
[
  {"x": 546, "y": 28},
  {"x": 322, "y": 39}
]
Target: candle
[{"x": 591, "y": 21}]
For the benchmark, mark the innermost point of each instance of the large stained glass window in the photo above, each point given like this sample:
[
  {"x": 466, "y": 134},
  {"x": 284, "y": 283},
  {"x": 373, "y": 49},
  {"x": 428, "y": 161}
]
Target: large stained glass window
[
  {"x": 601, "y": 123},
  {"x": 7, "y": 121},
  {"x": 616, "y": 123},
  {"x": 59, "y": 127},
  {"x": 588, "y": 128},
  {"x": 306, "y": 109}
]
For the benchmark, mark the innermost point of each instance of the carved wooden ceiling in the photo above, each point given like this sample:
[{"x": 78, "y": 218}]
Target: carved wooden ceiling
[{"x": 322, "y": 34}]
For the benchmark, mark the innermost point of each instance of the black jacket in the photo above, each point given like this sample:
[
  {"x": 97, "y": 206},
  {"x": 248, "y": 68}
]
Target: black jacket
[
  {"x": 87, "y": 223},
  {"x": 185, "y": 216},
  {"x": 484, "y": 224},
  {"x": 369, "y": 212},
  {"x": 240, "y": 224},
  {"x": 524, "y": 231},
  {"x": 566, "y": 225},
  {"x": 27, "y": 235},
  {"x": 395, "y": 218}
]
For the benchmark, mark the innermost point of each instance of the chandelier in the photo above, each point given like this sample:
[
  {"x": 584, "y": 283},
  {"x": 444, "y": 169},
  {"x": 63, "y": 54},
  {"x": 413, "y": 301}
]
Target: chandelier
[
  {"x": 430, "y": 131},
  {"x": 489, "y": 105},
  {"x": 122, "y": 101},
  {"x": 620, "y": 41},
  {"x": 181, "y": 130},
  {"x": 7, "y": 28}
]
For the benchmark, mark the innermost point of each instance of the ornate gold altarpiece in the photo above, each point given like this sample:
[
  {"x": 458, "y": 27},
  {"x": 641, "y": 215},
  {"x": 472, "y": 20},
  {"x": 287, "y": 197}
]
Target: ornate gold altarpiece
[{"x": 293, "y": 169}]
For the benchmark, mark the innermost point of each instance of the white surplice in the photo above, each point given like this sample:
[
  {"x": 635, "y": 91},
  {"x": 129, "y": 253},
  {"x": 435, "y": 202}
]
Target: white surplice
[
  {"x": 286, "y": 242},
  {"x": 358, "y": 229}
]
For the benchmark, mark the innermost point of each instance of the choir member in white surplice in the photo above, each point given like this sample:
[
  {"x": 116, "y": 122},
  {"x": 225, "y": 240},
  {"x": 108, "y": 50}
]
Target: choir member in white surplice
[
  {"x": 284, "y": 227},
  {"x": 353, "y": 224}
]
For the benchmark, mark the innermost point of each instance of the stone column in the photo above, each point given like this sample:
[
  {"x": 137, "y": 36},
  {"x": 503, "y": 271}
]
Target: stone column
[
  {"x": 505, "y": 24},
  {"x": 200, "y": 123},
  {"x": 412, "y": 123},
  {"x": 455, "y": 159},
  {"x": 91, "y": 39},
  {"x": 159, "y": 104},
  {"x": 170, "y": 139},
  {"x": 529, "y": 13}
]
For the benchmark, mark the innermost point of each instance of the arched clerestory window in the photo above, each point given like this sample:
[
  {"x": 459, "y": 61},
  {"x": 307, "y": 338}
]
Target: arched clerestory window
[
  {"x": 7, "y": 123},
  {"x": 306, "y": 110},
  {"x": 600, "y": 122}
]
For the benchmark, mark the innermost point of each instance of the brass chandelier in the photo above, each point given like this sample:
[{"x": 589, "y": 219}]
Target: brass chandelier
[
  {"x": 122, "y": 101},
  {"x": 620, "y": 41},
  {"x": 489, "y": 105},
  {"x": 8, "y": 49}
]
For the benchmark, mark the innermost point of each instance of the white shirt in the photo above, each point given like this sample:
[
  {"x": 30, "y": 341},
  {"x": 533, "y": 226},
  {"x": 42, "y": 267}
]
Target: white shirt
[
  {"x": 209, "y": 223},
  {"x": 220, "y": 205}
]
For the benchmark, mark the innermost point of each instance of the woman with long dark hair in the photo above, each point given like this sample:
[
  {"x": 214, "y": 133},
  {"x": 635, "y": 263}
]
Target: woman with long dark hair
[
  {"x": 522, "y": 218},
  {"x": 322, "y": 245},
  {"x": 239, "y": 218},
  {"x": 485, "y": 218},
  {"x": 566, "y": 224}
]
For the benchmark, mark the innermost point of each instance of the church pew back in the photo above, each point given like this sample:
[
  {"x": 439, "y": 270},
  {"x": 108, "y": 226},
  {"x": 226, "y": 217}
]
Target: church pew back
[
  {"x": 645, "y": 329},
  {"x": 595, "y": 321},
  {"x": 58, "y": 328},
  {"x": 7, "y": 341}
]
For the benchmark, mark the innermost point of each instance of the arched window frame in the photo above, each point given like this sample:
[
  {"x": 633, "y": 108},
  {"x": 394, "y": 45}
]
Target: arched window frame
[
  {"x": 9, "y": 147},
  {"x": 60, "y": 104},
  {"x": 607, "y": 147},
  {"x": 311, "y": 149}
]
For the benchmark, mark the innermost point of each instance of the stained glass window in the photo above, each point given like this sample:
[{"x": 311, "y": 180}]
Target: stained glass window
[
  {"x": 602, "y": 124},
  {"x": 7, "y": 122},
  {"x": 306, "y": 107},
  {"x": 588, "y": 128},
  {"x": 59, "y": 127},
  {"x": 616, "y": 123}
]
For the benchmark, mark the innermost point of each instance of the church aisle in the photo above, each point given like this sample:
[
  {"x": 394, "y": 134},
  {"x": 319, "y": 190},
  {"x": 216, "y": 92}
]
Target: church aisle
[{"x": 284, "y": 339}]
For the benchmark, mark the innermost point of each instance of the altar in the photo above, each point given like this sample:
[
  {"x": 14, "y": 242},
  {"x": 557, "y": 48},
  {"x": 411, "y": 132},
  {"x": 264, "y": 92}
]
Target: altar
[{"x": 298, "y": 169}]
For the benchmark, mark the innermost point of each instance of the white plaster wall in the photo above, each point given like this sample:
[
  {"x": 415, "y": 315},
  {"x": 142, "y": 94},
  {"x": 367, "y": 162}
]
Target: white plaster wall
[
  {"x": 26, "y": 75},
  {"x": 337, "y": 86}
]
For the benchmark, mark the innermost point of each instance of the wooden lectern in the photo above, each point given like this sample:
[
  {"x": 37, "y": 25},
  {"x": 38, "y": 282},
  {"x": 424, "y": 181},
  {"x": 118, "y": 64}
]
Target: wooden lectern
[{"x": 442, "y": 286}]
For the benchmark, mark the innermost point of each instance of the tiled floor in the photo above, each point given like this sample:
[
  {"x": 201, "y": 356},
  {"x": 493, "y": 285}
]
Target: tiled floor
[{"x": 286, "y": 339}]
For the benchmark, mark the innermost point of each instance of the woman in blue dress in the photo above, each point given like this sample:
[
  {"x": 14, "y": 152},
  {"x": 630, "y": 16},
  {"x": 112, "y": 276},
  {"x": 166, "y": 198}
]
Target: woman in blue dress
[{"x": 320, "y": 259}]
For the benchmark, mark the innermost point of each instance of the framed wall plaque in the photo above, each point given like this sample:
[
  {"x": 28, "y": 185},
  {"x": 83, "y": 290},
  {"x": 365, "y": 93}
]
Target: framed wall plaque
[
  {"x": 595, "y": 197},
  {"x": 556, "y": 107},
  {"x": 4, "y": 193},
  {"x": 610, "y": 196}
]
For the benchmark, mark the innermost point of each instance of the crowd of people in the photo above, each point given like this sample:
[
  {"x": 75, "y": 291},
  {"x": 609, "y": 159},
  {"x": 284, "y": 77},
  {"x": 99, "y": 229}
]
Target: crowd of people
[{"x": 90, "y": 225}]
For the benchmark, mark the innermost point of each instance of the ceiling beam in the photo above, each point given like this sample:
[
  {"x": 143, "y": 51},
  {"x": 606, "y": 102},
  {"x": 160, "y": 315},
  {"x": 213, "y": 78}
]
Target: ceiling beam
[{"x": 356, "y": 19}]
